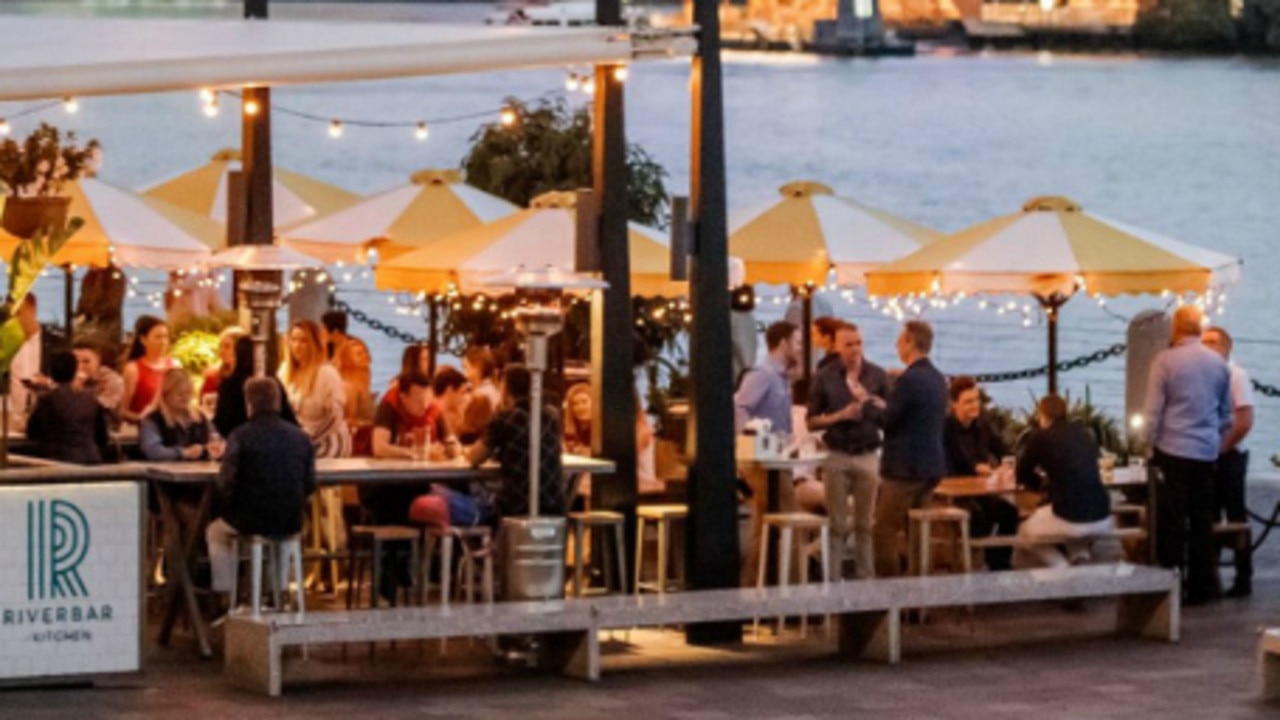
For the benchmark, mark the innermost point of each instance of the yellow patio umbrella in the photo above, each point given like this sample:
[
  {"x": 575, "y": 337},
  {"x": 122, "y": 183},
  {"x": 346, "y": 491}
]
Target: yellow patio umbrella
[
  {"x": 435, "y": 204},
  {"x": 126, "y": 229},
  {"x": 808, "y": 232},
  {"x": 1051, "y": 250},
  {"x": 295, "y": 198},
  {"x": 802, "y": 237},
  {"x": 543, "y": 234}
]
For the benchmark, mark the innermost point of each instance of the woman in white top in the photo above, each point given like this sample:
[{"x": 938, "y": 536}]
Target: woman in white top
[
  {"x": 318, "y": 398},
  {"x": 316, "y": 391}
]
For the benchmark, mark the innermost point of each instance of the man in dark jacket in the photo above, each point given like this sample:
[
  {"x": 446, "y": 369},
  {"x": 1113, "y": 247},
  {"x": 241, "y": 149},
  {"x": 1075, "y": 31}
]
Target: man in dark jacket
[
  {"x": 1065, "y": 454},
  {"x": 974, "y": 448},
  {"x": 913, "y": 459},
  {"x": 67, "y": 424},
  {"x": 267, "y": 474}
]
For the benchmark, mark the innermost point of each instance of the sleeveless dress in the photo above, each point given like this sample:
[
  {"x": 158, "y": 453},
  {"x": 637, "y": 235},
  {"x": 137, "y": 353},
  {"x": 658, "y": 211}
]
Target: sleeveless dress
[{"x": 148, "y": 385}]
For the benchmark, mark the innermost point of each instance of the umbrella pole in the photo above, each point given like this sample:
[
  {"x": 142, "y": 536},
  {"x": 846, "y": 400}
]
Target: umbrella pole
[
  {"x": 433, "y": 334},
  {"x": 68, "y": 298},
  {"x": 1051, "y": 306},
  {"x": 806, "y": 332}
]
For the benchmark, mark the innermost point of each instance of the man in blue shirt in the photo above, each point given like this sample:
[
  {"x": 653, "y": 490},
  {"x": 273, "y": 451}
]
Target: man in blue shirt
[
  {"x": 1188, "y": 412},
  {"x": 765, "y": 393}
]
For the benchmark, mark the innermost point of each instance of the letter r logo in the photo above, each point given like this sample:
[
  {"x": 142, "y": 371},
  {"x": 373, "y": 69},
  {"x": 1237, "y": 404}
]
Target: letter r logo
[{"x": 57, "y": 542}]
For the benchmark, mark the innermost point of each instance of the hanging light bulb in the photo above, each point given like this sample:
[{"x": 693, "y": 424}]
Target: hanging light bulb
[
  {"x": 507, "y": 117},
  {"x": 207, "y": 95},
  {"x": 335, "y": 129},
  {"x": 71, "y": 105},
  {"x": 251, "y": 107},
  {"x": 422, "y": 132},
  {"x": 589, "y": 86},
  {"x": 4, "y": 128},
  {"x": 211, "y": 107},
  {"x": 620, "y": 73},
  {"x": 573, "y": 82}
]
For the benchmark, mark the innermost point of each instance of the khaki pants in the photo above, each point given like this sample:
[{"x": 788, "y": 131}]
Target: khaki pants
[
  {"x": 758, "y": 479},
  {"x": 859, "y": 476},
  {"x": 1043, "y": 523},
  {"x": 895, "y": 499}
]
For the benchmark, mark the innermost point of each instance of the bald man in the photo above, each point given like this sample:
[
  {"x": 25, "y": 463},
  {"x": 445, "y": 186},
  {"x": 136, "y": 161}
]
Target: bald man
[{"x": 1188, "y": 415}]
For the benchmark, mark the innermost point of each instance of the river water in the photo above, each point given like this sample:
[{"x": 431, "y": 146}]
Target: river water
[{"x": 1186, "y": 147}]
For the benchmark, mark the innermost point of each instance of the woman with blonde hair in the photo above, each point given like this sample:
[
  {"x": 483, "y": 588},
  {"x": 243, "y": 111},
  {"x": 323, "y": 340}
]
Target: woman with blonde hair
[
  {"x": 174, "y": 429},
  {"x": 316, "y": 391}
]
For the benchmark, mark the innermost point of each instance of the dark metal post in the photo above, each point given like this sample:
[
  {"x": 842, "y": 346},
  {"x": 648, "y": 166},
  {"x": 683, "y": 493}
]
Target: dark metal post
[
  {"x": 255, "y": 9},
  {"x": 1051, "y": 306},
  {"x": 68, "y": 302},
  {"x": 711, "y": 543},
  {"x": 255, "y": 162},
  {"x": 612, "y": 336},
  {"x": 433, "y": 333},
  {"x": 806, "y": 331}
]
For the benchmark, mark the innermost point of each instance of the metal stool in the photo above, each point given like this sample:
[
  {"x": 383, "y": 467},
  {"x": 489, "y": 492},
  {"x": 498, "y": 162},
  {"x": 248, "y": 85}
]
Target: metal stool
[
  {"x": 372, "y": 538},
  {"x": 795, "y": 529},
  {"x": 599, "y": 519},
  {"x": 477, "y": 546},
  {"x": 663, "y": 516},
  {"x": 283, "y": 554}
]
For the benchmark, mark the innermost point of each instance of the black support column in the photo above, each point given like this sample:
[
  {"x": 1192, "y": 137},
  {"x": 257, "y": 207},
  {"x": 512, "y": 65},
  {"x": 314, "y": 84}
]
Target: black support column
[
  {"x": 613, "y": 336},
  {"x": 255, "y": 164},
  {"x": 711, "y": 546}
]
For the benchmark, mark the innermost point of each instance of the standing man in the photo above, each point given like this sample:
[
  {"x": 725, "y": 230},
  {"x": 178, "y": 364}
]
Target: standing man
[
  {"x": 1189, "y": 413},
  {"x": 913, "y": 461},
  {"x": 1233, "y": 460},
  {"x": 846, "y": 401},
  {"x": 765, "y": 394}
]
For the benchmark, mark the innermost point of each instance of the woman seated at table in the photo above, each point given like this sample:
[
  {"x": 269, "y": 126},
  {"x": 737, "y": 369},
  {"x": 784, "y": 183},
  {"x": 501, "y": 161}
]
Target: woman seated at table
[
  {"x": 147, "y": 362},
  {"x": 974, "y": 448},
  {"x": 415, "y": 358},
  {"x": 231, "y": 410},
  {"x": 578, "y": 413},
  {"x": 175, "y": 430},
  {"x": 1064, "y": 454}
]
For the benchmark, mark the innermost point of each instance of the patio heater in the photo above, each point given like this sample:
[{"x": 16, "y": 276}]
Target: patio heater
[
  {"x": 534, "y": 545},
  {"x": 261, "y": 293}
]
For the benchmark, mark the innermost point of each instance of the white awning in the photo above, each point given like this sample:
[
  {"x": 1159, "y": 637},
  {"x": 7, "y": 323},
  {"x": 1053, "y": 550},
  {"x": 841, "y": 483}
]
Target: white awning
[{"x": 44, "y": 57}]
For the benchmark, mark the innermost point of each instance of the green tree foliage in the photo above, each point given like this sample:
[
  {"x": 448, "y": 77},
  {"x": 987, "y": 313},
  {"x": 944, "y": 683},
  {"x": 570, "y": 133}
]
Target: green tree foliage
[
  {"x": 1201, "y": 25},
  {"x": 547, "y": 148}
]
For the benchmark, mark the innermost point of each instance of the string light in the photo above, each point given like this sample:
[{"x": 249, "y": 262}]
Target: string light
[
  {"x": 422, "y": 132},
  {"x": 507, "y": 117},
  {"x": 211, "y": 107},
  {"x": 207, "y": 95},
  {"x": 620, "y": 73},
  {"x": 335, "y": 129},
  {"x": 573, "y": 83},
  {"x": 251, "y": 107},
  {"x": 71, "y": 105},
  {"x": 589, "y": 86},
  {"x": 4, "y": 127}
]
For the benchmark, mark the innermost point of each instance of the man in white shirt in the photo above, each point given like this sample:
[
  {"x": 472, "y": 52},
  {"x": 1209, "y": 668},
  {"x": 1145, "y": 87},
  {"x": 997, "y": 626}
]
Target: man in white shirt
[
  {"x": 26, "y": 364},
  {"x": 1233, "y": 460}
]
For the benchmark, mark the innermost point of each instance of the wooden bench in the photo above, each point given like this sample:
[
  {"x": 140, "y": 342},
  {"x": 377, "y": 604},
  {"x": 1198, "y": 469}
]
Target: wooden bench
[
  {"x": 869, "y": 614},
  {"x": 1269, "y": 664}
]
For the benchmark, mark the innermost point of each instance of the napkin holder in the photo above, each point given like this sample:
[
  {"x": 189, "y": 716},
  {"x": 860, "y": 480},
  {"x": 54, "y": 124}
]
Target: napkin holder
[{"x": 758, "y": 442}]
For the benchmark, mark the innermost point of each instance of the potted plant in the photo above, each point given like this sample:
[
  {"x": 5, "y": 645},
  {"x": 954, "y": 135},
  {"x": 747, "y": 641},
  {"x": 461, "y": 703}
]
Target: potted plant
[{"x": 33, "y": 173}]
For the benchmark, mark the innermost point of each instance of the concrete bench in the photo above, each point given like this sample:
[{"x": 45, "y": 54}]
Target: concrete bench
[
  {"x": 869, "y": 614},
  {"x": 1269, "y": 664}
]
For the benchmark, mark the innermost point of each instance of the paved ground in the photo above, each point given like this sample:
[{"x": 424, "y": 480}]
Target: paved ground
[{"x": 1013, "y": 663}]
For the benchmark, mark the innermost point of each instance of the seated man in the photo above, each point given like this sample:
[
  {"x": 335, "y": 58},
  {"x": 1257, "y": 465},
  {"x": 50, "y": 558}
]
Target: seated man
[
  {"x": 105, "y": 383},
  {"x": 507, "y": 439},
  {"x": 1065, "y": 454},
  {"x": 973, "y": 448},
  {"x": 267, "y": 474},
  {"x": 68, "y": 424}
]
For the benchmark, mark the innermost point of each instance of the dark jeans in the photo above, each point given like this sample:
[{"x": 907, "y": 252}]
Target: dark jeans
[
  {"x": 988, "y": 515},
  {"x": 1184, "y": 523},
  {"x": 1228, "y": 490}
]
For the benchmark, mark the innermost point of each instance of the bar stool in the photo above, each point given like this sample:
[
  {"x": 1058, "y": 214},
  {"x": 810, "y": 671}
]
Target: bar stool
[
  {"x": 367, "y": 544},
  {"x": 283, "y": 555},
  {"x": 663, "y": 516},
  {"x": 476, "y": 544},
  {"x": 920, "y": 540},
  {"x": 795, "y": 530},
  {"x": 599, "y": 519}
]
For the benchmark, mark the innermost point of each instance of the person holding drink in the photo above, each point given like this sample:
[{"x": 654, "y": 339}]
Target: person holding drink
[{"x": 174, "y": 430}]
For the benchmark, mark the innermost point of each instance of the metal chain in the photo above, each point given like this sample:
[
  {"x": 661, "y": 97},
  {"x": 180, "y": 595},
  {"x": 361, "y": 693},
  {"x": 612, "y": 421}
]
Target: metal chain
[
  {"x": 376, "y": 325},
  {"x": 1063, "y": 366}
]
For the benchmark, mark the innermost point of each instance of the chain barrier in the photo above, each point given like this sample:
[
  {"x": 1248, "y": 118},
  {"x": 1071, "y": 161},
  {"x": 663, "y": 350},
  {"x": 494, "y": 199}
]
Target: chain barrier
[
  {"x": 1063, "y": 366},
  {"x": 377, "y": 325}
]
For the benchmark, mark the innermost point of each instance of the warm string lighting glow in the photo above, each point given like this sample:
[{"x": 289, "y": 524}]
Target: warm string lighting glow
[
  {"x": 71, "y": 105},
  {"x": 335, "y": 129},
  {"x": 421, "y": 132},
  {"x": 5, "y": 129}
]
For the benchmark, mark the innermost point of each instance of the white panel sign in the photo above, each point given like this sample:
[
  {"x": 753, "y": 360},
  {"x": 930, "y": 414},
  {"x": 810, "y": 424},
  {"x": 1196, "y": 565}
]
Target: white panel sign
[{"x": 69, "y": 579}]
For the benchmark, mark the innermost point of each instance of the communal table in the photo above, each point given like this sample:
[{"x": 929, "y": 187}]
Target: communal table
[
  {"x": 182, "y": 534},
  {"x": 957, "y": 488}
]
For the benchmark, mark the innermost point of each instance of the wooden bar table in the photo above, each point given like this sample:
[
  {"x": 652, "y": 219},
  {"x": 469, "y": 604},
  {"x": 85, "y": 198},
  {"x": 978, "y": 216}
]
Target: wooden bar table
[
  {"x": 182, "y": 535},
  {"x": 774, "y": 467}
]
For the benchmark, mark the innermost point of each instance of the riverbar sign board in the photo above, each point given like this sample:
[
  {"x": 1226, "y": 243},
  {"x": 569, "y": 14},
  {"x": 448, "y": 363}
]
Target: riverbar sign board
[{"x": 70, "y": 586}]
